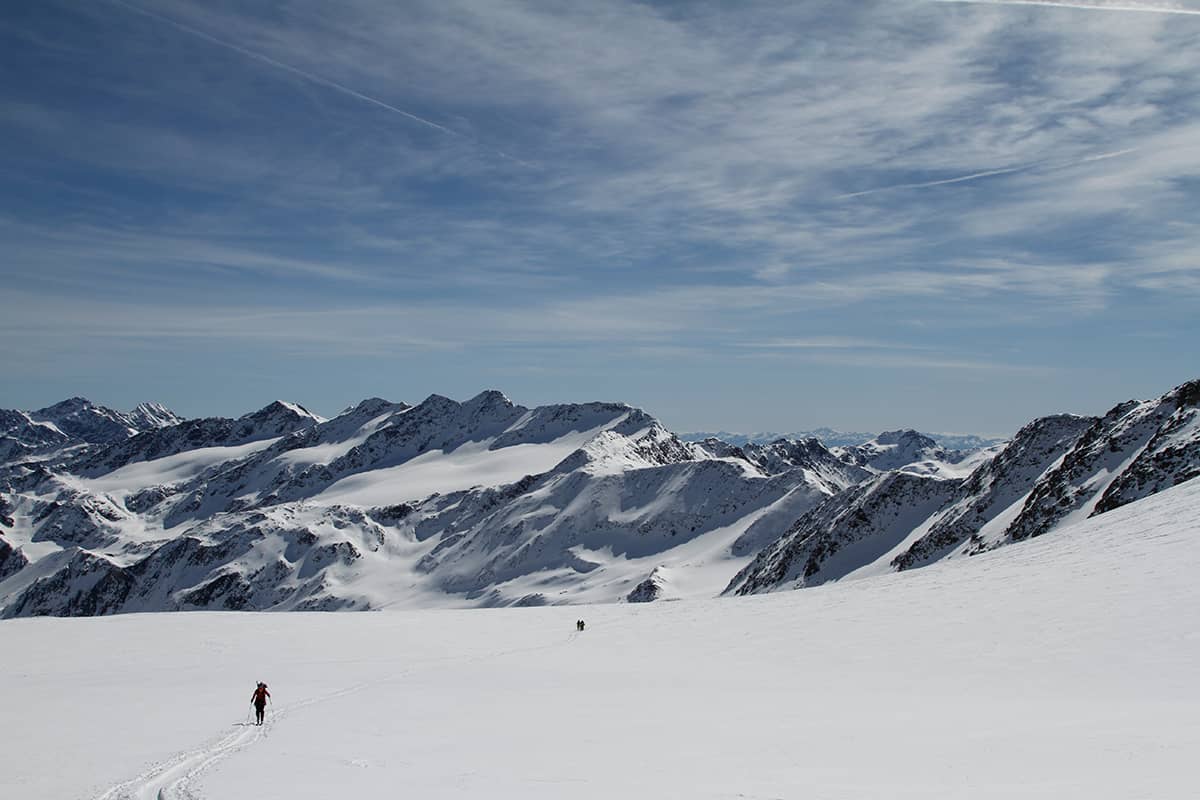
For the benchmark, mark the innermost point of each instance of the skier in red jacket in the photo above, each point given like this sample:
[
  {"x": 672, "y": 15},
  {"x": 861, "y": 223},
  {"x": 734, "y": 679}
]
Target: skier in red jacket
[{"x": 259, "y": 699}]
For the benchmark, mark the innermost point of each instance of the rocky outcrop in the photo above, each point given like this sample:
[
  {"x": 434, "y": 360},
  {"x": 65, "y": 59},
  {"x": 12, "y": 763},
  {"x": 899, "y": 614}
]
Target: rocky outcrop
[
  {"x": 996, "y": 486},
  {"x": 651, "y": 589},
  {"x": 850, "y": 530},
  {"x": 1134, "y": 450},
  {"x": 80, "y": 519},
  {"x": 1055, "y": 471},
  {"x": 85, "y": 585},
  {"x": 1171, "y": 457},
  {"x": 12, "y": 560}
]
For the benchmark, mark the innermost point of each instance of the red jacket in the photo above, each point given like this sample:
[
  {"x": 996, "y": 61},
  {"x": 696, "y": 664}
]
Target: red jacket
[{"x": 259, "y": 698}]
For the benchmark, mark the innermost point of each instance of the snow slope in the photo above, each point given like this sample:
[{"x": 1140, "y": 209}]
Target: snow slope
[
  {"x": 436, "y": 471},
  {"x": 1058, "y": 668},
  {"x": 1056, "y": 471},
  {"x": 447, "y": 504},
  {"x": 487, "y": 503}
]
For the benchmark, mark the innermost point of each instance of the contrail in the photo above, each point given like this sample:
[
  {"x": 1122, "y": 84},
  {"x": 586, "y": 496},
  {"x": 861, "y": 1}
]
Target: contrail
[
  {"x": 973, "y": 176},
  {"x": 326, "y": 82},
  {"x": 1038, "y": 165},
  {"x": 1094, "y": 5}
]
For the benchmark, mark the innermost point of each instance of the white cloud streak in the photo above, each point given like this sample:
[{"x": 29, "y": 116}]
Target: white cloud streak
[
  {"x": 310, "y": 76},
  {"x": 990, "y": 173},
  {"x": 1099, "y": 5},
  {"x": 927, "y": 184}
]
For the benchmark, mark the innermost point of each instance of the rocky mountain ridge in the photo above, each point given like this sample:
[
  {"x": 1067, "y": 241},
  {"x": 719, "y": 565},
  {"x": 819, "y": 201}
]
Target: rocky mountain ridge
[
  {"x": 1056, "y": 470},
  {"x": 75, "y": 422},
  {"x": 831, "y": 437},
  {"x": 485, "y": 502}
]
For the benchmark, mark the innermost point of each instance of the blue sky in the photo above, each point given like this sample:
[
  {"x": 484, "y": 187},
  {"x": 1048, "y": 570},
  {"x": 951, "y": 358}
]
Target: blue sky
[{"x": 751, "y": 216}]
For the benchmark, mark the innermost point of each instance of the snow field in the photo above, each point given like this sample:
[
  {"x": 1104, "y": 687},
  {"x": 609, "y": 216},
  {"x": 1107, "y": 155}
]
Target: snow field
[
  {"x": 1059, "y": 668},
  {"x": 470, "y": 464}
]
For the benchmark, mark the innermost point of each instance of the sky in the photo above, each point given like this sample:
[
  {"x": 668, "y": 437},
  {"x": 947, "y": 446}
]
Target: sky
[{"x": 953, "y": 216}]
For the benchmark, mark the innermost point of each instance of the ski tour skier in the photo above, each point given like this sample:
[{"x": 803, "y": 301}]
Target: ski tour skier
[{"x": 259, "y": 700}]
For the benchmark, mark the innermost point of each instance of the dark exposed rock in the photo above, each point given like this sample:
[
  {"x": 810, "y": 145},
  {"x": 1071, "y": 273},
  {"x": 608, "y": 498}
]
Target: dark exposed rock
[
  {"x": 87, "y": 585},
  {"x": 1171, "y": 457},
  {"x": 995, "y": 485},
  {"x": 1145, "y": 447},
  {"x": 146, "y": 499},
  {"x": 648, "y": 590},
  {"x": 12, "y": 560},
  {"x": 79, "y": 519},
  {"x": 847, "y": 531}
]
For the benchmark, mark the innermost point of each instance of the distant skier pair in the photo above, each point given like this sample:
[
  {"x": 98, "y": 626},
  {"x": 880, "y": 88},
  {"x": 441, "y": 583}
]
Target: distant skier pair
[
  {"x": 259, "y": 701},
  {"x": 578, "y": 624}
]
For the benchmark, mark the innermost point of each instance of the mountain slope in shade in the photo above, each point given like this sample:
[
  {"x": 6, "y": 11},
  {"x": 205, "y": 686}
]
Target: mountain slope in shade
[
  {"x": 84, "y": 421},
  {"x": 75, "y": 422},
  {"x": 852, "y": 529},
  {"x": 1171, "y": 457},
  {"x": 1136, "y": 449},
  {"x": 995, "y": 491},
  {"x": 21, "y": 435},
  {"x": 1056, "y": 471},
  {"x": 270, "y": 422}
]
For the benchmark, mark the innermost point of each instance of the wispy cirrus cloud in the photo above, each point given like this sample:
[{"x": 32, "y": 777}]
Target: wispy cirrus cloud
[
  {"x": 707, "y": 176},
  {"x": 1148, "y": 6},
  {"x": 990, "y": 173}
]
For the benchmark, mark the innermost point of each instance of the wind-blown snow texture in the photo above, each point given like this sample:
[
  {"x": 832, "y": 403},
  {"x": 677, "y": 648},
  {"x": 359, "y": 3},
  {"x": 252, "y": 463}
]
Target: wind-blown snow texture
[
  {"x": 487, "y": 503},
  {"x": 1058, "y": 668}
]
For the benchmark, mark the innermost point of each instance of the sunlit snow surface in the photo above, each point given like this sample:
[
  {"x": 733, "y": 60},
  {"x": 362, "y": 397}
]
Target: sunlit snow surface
[
  {"x": 169, "y": 469},
  {"x": 471, "y": 464},
  {"x": 1059, "y": 668}
]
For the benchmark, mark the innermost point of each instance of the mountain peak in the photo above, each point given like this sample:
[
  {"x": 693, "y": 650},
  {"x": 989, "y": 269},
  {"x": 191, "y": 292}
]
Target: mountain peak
[
  {"x": 905, "y": 436},
  {"x": 489, "y": 397},
  {"x": 438, "y": 400},
  {"x": 71, "y": 405},
  {"x": 153, "y": 415},
  {"x": 281, "y": 408},
  {"x": 1187, "y": 394},
  {"x": 375, "y": 403},
  {"x": 489, "y": 402}
]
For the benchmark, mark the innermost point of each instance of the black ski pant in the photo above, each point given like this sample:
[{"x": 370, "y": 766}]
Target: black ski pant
[{"x": 259, "y": 710}]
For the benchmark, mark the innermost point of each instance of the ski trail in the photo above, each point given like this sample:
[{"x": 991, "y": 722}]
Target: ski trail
[
  {"x": 154, "y": 782},
  {"x": 171, "y": 779}
]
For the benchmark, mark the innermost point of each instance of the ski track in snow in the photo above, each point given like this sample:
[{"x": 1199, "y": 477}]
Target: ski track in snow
[{"x": 172, "y": 779}]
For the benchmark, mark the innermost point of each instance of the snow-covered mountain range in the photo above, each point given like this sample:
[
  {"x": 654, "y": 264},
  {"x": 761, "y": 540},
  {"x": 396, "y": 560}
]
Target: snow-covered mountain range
[
  {"x": 488, "y": 503},
  {"x": 1056, "y": 470},
  {"x": 831, "y": 437},
  {"x": 75, "y": 422}
]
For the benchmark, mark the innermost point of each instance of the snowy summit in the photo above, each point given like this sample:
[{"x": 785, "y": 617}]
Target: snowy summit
[{"x": 489, "y": 503}]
